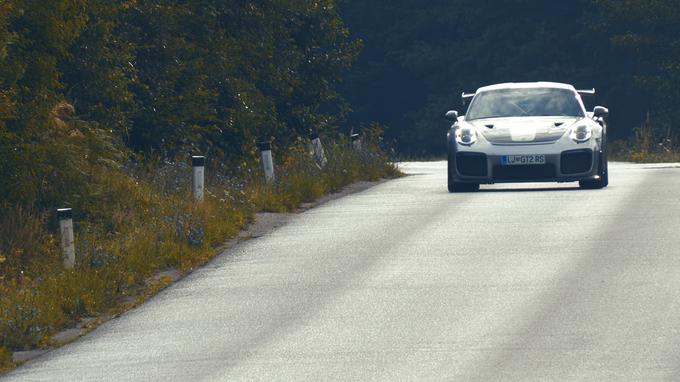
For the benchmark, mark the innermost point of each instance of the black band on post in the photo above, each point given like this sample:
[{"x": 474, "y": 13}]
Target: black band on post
[
  {"x": 313, "y": 135},
  {"x": 264, "y": 146},
  {"x": 354, "y": 137},
  {"x": 198, "y": 161},
  {"x": 64, "y": 213}
]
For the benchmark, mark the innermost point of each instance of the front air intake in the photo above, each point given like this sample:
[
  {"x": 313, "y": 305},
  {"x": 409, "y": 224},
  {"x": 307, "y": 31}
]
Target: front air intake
[
  {"x": 471, "y": 164},
  {"x": 576, "y": 161}
]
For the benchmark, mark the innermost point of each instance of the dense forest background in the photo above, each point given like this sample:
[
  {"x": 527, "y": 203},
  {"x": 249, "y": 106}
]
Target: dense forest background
[{"x": 419, "y": 56}]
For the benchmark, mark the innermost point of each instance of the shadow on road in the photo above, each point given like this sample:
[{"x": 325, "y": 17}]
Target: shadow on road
[{"x": 534, "y": 189}]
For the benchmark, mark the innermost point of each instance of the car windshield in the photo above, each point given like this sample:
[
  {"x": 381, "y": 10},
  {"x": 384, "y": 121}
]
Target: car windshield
[{"x": 524, "y": 102}]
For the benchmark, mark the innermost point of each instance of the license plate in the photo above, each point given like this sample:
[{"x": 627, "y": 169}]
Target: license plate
[{"x": 514, "y": 160}]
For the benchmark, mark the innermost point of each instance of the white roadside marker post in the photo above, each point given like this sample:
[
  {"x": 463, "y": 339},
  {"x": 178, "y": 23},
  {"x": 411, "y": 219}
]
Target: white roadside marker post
[
  {"x": 198, "y": 176},
  {"x": 356, "y": 142},
  {"x": 317, "y": 147},
  {"x": 68, "y": 247},
  {"x": 267, "y": 161}
]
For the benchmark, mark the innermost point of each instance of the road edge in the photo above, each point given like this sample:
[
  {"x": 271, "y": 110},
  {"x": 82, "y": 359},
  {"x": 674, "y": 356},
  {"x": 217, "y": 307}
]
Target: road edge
[{"x": 263, "y": 224}]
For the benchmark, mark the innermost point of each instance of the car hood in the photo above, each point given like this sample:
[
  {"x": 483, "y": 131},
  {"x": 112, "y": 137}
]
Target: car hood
[{"x": 520, "y": 130}]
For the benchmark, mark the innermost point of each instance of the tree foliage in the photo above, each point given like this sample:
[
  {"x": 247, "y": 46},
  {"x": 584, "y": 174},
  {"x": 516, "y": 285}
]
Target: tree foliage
[
  {"x": 651, "y": 31},
  {"x": 171, "y": 77}
]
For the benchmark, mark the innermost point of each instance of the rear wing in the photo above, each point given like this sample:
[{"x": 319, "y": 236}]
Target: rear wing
[
  {"x": 466, "y": 97},
  {"x": 584, "y": 92}
]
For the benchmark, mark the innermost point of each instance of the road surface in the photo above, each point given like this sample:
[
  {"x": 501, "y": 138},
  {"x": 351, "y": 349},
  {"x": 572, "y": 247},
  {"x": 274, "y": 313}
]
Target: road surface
[{"x": 405, "y": 281}]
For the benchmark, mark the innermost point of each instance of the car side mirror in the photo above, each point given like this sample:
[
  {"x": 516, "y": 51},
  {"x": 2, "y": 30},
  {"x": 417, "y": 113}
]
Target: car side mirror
[
  {"x": 451, "y": 116},
  {"x": 600, "y": 111}
]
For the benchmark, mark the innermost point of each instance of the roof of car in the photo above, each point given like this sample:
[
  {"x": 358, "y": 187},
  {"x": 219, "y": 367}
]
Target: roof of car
[{"x": 525, "y": 85}]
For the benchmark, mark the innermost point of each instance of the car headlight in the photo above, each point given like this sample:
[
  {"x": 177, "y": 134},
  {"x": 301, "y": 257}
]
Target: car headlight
[
  {"x": 581, "y": 133},
  {"x": 466, "y": 136}
]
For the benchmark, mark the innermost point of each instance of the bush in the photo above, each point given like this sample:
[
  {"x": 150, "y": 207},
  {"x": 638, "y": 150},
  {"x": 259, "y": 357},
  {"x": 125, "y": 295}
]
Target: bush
[
  {"x": 25, "y": 243},
  {"x": 647, "y": 145},
  {"x": 300, "y": 179}
]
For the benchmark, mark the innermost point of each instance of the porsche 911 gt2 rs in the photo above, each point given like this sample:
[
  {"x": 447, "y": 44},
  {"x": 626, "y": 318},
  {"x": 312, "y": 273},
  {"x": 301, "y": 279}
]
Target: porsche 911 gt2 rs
[{"x": 527, "y": 132}]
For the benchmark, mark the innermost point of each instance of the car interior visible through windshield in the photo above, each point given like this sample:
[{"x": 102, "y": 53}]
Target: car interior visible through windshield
[{"x": 525, "y": 102}]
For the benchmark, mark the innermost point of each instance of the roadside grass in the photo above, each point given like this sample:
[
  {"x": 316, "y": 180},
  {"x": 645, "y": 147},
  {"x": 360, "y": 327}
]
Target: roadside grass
[
  {"x": 647, "y": 145},
  {"x": 140, "y": 219},
  {"x": 624, "y": 152}
]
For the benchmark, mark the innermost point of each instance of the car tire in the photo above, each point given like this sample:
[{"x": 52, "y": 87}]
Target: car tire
[
  {"x": 603, "y": 172},
  {"x": 604, "y": 168},
  {"x": 463, "y": 187}
]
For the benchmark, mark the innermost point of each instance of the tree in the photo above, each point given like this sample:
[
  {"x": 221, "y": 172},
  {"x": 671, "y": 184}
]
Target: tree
[
  {"x": 196, "y": 76},
  {"x": 98, "y": 72},
  {"x": 214, "y": 76},
  {"x": 650, "y": 30}
]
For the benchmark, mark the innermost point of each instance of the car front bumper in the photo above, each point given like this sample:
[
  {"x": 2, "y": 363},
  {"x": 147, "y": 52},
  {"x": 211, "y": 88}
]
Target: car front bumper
[{"x": 563, "y": 163}]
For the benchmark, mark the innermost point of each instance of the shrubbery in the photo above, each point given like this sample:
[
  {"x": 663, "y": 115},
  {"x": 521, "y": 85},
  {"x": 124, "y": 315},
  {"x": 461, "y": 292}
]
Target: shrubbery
[{"x": 648, "y": 144}]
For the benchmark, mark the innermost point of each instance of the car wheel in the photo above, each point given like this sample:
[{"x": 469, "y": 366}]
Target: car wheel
[
  {"x": 590, "y": 184},
  {"x": 463, "y": 187},
  {"x": 604, "y": 168},
  {"x": 449, "y": 169},
  {"x": 603, "y": 172}
]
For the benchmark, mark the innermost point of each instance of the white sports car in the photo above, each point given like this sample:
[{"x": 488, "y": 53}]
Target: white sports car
[{"x": 527, "y": 132}]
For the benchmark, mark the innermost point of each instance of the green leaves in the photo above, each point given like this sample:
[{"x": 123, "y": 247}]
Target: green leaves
[
  {"x": 199, "y": 76},
  {"x": 650, "y": 30}
]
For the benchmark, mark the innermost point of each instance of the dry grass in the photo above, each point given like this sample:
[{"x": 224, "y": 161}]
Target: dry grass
[
  {"x": 648, "y": 145},
  {"x": 135, "y": 223},
  {"x": 299, "y": 179}
]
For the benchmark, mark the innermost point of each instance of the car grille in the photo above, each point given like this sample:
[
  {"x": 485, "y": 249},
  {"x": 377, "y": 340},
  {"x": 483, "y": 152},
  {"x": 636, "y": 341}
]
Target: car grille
[
  {"x": 527, "y": 172},
  {"x": 576, "y": 161},
  {"x": 471, "y": 164}
]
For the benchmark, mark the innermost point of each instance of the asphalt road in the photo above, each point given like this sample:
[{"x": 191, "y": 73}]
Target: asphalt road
[{"x": 405, "y": 281}]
